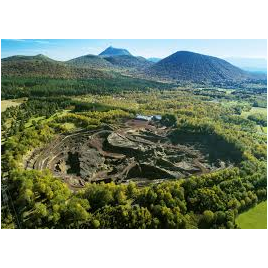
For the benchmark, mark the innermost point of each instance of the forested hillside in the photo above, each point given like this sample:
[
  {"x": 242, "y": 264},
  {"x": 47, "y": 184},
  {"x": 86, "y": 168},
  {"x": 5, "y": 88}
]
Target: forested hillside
[
  {"x": 90, "y": 61},
  {"x": 126, "y": 61},
  {"x": 17, "y": 87},
  {"x": 189, "y": 66},
  {"x": 41, "y": 66}
]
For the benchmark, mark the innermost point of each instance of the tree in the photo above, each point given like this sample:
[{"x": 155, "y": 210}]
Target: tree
[
  {"x": 168, "y": 120},
  {"x": 208, "y": 218}
]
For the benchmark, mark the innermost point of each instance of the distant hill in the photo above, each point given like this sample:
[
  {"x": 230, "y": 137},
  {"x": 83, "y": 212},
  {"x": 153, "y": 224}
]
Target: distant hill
[
  {"x": 189, "y": 66},
  {"x": 39, "y": 57},
  {"x": 250, "y": 64},
  {"x": 128, "y": 61},
  {"x": 112, "y": 51},
  {"x": 42, "y": 66},
  {"x": 154, "y": 59},
  {"x": 91, "y": 61}
]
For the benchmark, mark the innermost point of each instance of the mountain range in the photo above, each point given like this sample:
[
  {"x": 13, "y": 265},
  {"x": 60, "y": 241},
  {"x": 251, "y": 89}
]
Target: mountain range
[{"x": 181, "y": 66}]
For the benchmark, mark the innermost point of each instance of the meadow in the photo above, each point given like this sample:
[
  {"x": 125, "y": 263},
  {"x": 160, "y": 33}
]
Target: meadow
[{"x": 254, "y": 218}]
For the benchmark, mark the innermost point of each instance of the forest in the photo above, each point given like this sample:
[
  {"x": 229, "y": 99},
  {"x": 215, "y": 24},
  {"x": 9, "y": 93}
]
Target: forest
[
  {"x": 17, "y": 87},
  {"x": 37, "y": 199}
]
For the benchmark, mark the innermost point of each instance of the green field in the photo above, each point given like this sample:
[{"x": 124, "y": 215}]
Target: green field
[{"x": 255, "y": 218}]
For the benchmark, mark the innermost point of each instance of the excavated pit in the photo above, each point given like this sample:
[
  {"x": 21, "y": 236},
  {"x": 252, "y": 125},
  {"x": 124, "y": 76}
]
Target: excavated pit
[{"x": 136, "y": 151}]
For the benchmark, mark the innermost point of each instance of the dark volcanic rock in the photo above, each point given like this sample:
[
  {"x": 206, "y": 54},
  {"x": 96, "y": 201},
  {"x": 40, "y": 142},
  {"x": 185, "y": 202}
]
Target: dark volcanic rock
[{"x": 119, "y": 155}]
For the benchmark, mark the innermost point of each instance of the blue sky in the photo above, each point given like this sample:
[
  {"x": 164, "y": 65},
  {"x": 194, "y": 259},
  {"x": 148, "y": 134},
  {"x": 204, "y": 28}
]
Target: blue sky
[{"x": 64, "y": 49}]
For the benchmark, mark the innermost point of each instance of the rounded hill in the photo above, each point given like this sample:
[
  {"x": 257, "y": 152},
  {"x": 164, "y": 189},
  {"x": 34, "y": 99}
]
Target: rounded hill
[
  {"x": 190, "y": 66},
  {"x": 91, "y": 61}
]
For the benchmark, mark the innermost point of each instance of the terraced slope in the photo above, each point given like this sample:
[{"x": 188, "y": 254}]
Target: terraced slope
[{"x": 136, "y": 151}]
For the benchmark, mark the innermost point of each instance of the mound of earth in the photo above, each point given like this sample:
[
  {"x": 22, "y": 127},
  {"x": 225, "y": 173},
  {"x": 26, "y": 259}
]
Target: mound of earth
[{"x": 137, "y": 151}]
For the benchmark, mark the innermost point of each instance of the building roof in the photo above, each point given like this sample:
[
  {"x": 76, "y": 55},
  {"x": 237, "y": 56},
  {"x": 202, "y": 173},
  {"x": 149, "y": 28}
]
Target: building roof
[
  {"x": 144, "y": 117},
  {"x": 148, "y": 117}
]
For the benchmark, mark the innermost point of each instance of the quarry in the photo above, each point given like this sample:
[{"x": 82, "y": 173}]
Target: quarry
[{"x": 136, "y": 150}]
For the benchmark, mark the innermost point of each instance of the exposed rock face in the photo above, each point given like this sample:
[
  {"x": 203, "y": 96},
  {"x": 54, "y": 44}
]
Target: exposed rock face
[
  {"x": 117, "y": 140},
  {"x": 129, "y": 153},
  {"x": 90, "y": 161}
]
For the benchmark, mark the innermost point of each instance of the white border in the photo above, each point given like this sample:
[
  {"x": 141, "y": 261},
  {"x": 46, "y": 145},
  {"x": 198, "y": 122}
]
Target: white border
[{"x": 133, "y": 19}]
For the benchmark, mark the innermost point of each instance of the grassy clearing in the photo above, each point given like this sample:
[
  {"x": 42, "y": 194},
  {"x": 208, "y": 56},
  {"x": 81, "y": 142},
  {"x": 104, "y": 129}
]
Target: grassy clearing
[
  {"x": 43, "y": 118},
  {"x": 255, "y": 218},
  {"x": 259, "y": 129},
  {"x": 37, "y": 119},
  {"x": 225, "y": 103},
  {"x": 227, "y": 91},
  {"x": 69, "y": 126},
  {"x": 58, "y": 114},
  {"x": 255, "y": 110},
  {"x": 9, "y": 103},
  {"x": 259, "y": 110}
]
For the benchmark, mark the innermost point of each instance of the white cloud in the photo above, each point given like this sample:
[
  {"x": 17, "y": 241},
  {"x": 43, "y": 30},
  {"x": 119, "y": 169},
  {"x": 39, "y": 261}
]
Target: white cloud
[
  {"x": 30, "y": 40},
  {"x": 17, "y": 40},
  {"x": 41, "y": 41}
]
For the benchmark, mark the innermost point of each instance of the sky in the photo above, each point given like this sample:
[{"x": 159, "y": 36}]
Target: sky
[{"x": 65, "y": 49}]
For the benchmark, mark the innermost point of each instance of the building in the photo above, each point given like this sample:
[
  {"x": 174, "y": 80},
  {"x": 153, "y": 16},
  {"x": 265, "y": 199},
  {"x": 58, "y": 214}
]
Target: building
[{"x": 148, "y": 117}]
